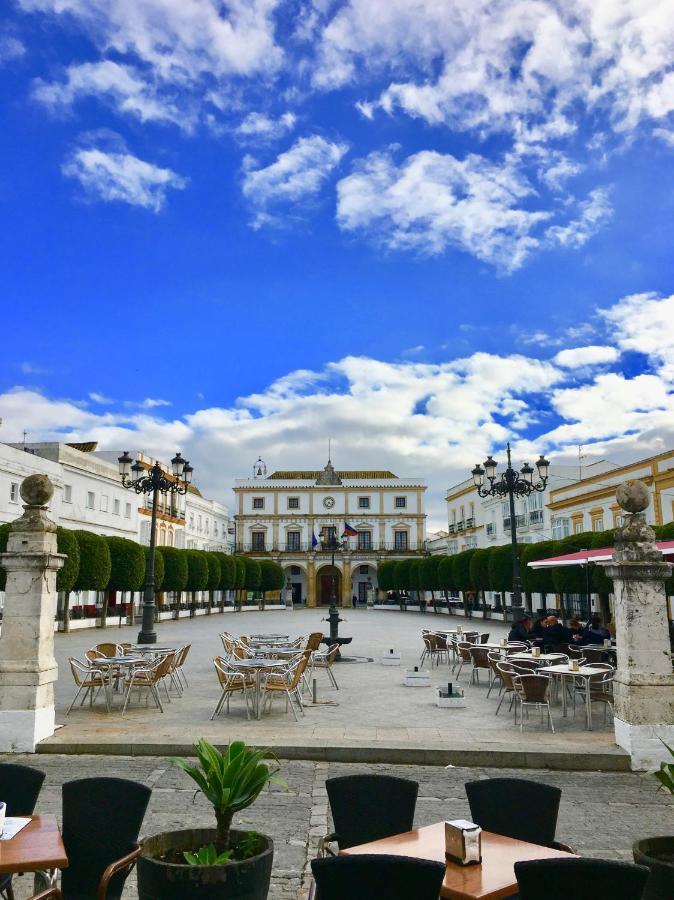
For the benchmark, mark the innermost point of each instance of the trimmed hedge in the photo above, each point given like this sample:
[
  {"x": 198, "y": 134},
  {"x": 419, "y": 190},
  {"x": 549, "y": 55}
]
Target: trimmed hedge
[
  {"x": 197, "y": 570},
  {"x": 127, "y": 565},
  {"x": 214, "y": 571},
  {"x": 159, "y": 566},
  {"x": 446, "y": 575},
  {"x": 461, "y": 569},
  {"x": 479, "y": 569},
  {"x": 402, "y": 574},
  {"x": 572, "y": 579},
  {"x": 537, "y": 581},
  {"x": 253, "y": 574},
  {"x": 501, "y": 568},
  {"x": 272, "y": 576},
  {"x": 386, "y": 575},
  {"x": 430, "y": 565},
  {"x": 227, "y": 571},
  {"x": 175, "y": 569},
  {"x": 95, "y": 562},
  {"x": 67, "y": 543},
  {"x": 240, "y": 563}
]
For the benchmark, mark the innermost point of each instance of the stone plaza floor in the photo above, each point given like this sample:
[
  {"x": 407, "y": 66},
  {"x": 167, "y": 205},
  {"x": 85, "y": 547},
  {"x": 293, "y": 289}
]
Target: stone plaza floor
[
  {"x": 601, "y": 813},
  {"x": 372, "y": 718}
]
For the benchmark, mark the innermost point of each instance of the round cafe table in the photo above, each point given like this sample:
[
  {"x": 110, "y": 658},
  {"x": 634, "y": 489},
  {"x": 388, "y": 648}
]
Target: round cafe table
[
  {"x": 585, "y": 673},
  {"x": 108, "y": 665},
  {"x": 258, "y": 666}
]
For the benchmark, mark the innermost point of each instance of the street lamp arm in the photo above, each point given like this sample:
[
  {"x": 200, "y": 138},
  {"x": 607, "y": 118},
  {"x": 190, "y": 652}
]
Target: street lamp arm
[{"x": 155, "y": 480}]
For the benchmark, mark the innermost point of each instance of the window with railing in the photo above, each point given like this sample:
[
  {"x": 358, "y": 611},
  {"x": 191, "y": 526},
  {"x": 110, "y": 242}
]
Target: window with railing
[
  {"x": 364, "y": 540},
  {"x": 491, "y": 529},
  {"x": 293, "y": 540},
  {"x": 470, "y": 522},
  {"x": 257, "y": 540},
  {"x": 363, "y": 503},
  {"x": 400, "y": 540},
  {"x": 459, "y": 526},
  {"x": 258, "y": 502},
  {"x": 520, "y": 521},
  {"x": 401, "y": 502},
  {"x": 535, "y": 516},
  {"x": 293, "y": 502},
  {"x": 451, "y": 528}
]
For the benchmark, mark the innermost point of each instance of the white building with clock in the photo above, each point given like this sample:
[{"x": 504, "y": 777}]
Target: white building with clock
[{"x": 284, "y": 516}]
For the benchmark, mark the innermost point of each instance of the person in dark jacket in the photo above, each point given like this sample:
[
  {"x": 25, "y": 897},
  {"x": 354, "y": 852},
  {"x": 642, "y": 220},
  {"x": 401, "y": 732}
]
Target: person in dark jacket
[
  {"x": 594, "y": 632},
  {"x": 555, "y": 633},
  {"x": 521, "y": 629}
]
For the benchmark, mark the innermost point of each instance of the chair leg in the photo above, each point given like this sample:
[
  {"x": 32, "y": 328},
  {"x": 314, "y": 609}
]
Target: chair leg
[
  {"x": 218, "y": 705},
  {"x": 550, "y": 718},
  {"x": 74, "y": 699}
]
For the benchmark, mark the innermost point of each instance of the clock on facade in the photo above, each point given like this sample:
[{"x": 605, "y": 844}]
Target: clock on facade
[{"x": 328, "y": 502}]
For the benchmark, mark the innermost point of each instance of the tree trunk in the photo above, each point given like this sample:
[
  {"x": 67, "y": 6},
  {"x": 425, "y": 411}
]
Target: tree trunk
[
  {"x": 210, "y": 602},
  {"x": 66, "y": 612},
  {"x": 605, "y": 608},
  {"x": 104, "y": 608},
  {"x": 224, "y": 824}
]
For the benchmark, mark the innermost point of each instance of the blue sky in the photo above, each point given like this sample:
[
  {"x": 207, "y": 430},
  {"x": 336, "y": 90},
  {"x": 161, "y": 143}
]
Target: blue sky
[{"x": 245, "y": 227}]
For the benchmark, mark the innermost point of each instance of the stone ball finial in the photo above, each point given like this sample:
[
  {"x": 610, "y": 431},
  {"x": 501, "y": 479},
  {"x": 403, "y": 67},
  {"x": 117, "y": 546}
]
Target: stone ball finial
[
  {"x": 633, "y": 496},
  {"x": 37, "y": 490}
]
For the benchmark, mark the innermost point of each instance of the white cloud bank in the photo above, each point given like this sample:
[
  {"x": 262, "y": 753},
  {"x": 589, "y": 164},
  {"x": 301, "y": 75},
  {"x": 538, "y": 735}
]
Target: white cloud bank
[
  {"x": 370, "y": 408},
  {"x": 122, "y": 177}
]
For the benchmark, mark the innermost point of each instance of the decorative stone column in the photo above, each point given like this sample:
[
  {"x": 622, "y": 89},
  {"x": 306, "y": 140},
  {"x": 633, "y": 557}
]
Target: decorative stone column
[
  {"x": 28, "y": 668},
  {"x": 644, "y": 683},
  {"x": 347, "y": 586},
  {"x": 311, "y": 582}
]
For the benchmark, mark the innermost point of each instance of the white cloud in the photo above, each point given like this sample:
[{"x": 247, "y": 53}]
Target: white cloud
[
  {"x": 120, "y": 176},
  {"x": 122, "y": 85},
  {"x": 586, "y": 356},
  {"x": 433, "y": 201},
  {"x": 297, "y": 175},
  {"x": 11, "y": 49},
  {"x": 101, "y": 399},
  {"x": 29, "y": 368},
  {"x": 258, "y": 126},
  {"x": 181, "y": 40},
  {"x": 153, "y": 403},
  {"x": 370, "y": 408},
  {"x": 644, "y": 323},
  {"x": 594, "y": 213}
]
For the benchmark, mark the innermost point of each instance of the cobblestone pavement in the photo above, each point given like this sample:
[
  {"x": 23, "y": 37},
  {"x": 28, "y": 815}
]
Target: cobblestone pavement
[{"x": 601, "y": 813}]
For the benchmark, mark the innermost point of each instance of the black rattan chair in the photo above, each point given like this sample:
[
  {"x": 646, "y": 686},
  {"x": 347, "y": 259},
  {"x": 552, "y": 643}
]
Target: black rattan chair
[
  {"x": 368, "y": 807},
  {"x": 19, "y": 789},
  {"x": 517, "y": 808},
  {"x": 101, "y": 821},
  {"x": 582, "y": 879},
  {"x": 377, "y": 875}
]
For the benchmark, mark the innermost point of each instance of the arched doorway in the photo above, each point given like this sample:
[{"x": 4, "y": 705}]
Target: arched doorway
[
  {"x": 324, "y": 578},
  {"x": 364, "y": 583},
  {"x": 297, "y": 578}
]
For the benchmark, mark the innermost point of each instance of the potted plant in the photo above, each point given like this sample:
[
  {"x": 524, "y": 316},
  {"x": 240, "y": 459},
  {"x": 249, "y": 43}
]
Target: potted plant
[
  {"x": 658, "y": 852},
  {"x": 221, "y": 862}
]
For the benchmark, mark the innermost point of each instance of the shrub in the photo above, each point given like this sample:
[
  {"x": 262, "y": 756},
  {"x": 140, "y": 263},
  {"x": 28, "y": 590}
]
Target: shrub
[
  {"x": 158, "y": 566},
  {"x": 67, "y": 543},
  {"x": 272, "y": 576},
  {"x": 197, "y": 570},
  {"x": 461, "y": 570},
  {"x": 175, "y": 569},
  {"x": 127, "y": 565},
  {"x": 253, "y": 574},
  {"x": 402, "y": 573},
  {"x": 214, "y": 571},
  {"x": 572, "y": 579},
  {"x": 446, "y": 574},
  {"x": 227, "y": 572},
  {"x": 240, "y": 563},
  {"x": 95, "y": 563},
  {"x": 430, "y": 565},
  {"x": 501, "y": 568},
  {"x": 537, "y": 581},
  {"x": 479, "y": 569},
  {"x": 385, "y": 575}
]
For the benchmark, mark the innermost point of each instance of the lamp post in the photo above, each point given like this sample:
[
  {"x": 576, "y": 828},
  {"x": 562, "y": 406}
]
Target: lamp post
[
  {"x": 330, "y": 543},
  {"x": 511, "y": 484},
  {"x": 153, "y": 481}
]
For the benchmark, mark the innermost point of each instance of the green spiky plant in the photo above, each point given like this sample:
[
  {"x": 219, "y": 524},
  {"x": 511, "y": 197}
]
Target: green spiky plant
[
  {"x": 665, "y": 774},
  {"x": 230, "y": 781}
]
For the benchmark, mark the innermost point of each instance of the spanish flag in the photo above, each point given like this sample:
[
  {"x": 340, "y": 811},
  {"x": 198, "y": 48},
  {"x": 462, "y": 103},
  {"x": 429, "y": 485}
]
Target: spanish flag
[{"x": 349, "y": 531}]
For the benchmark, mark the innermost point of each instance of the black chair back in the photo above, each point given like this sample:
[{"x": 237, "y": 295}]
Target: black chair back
[
  {"x": 582, "y": 879},
  {"x": 377, "y": 875},
  {"x": 101, "y": 822},
  {"x": 20, "y": 788},
  {"x": 368, "y": 807},
  {"x": 515, "y": 807}
]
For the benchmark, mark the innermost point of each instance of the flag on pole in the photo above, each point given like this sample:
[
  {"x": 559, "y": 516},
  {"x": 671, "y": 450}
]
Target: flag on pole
[
  {"x": 349, "y": 531},
  {"x": 314, "y": 541}
]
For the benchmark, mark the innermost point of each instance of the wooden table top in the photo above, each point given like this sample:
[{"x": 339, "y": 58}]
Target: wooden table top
[
  {"x": 494, "y": 879},
  {"x": 37, "y": 846}
]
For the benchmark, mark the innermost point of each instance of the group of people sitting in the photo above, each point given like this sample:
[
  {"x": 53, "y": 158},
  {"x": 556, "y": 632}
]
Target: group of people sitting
[{"x": 548, "y": 630}]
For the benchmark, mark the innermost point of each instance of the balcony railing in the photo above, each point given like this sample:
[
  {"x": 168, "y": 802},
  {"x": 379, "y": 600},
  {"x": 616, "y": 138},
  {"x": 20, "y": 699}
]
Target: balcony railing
[
  {"x": 460, "y": 525},
  {"x": 520, "y": 521},
  {"x": 376, "y": 547},
  {"x": 535, "y": 516},
  {"x": 451, "y": 528},
  {"x": 491, "y": 529},
  {"x": 470, "y": 523},
  {"x": 165, "y": 509}
]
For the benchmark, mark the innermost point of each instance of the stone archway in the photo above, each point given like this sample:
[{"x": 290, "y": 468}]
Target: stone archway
[{"x": 324, "y": 585}]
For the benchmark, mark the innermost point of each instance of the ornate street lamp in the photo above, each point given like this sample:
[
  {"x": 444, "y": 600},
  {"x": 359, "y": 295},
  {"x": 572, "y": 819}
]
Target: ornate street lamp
[
  {"x": 330, "y": 543},
  {"x": 511, "y": 484},
  {"x": 153, "y": 481}
]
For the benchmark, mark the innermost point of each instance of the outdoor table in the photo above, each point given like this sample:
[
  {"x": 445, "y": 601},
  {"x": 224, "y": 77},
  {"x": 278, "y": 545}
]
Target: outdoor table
[
  {"x": 109, "y": 663},
  {"x": 38, "y": 848},
  {"x": 259, "y": 665},
  {"x": 527, "y": 654},
  {"x": 282, "y": 651},
  {"x": 585, "y": 672},
  {"x": 493, "y": 879}
]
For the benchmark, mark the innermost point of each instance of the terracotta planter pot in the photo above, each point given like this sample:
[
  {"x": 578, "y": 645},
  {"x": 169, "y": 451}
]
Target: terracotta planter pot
[
  {"x": 658, "y": 854},
  {"x": 158, "y": 880}
]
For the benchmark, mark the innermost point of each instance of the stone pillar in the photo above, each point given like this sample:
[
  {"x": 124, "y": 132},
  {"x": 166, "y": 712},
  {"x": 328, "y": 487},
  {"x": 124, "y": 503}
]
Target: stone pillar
[
  {"x": 644, "y": 683},
  {"x": 347, "y": 587},
  {"x": 311, "y": 582},
  {"x": 27, "y": 665}
]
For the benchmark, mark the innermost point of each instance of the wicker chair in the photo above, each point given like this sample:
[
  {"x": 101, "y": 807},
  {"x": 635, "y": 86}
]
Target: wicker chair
[
  {"x": 507, "y": 672},
  {"x": 601, "y": 687},
  {"x": 148, "y": 678},
  {"x": 494, "y": 658},
  {"x": 484, "y": 638},
  {"x": 109, "y": 649},
  {"x": 471, "y": 637},
  {"x": 314, "y": 641},
  {"x": 286, "y": 680},
  {"x": 594, "y": 655},
  {"x": 432, "y": 649},
  {"x": 231, "y": 682},
  {"x": 480, "y": 659},
  {"x": 325, "y": 661},
  {"x": 527, "y": 665},
  {"x": 582, "y": 879},
  {"x": 89, "y": 680},
  {"x": 532, "y": 690},
  {"x": 465, "y": 656}
]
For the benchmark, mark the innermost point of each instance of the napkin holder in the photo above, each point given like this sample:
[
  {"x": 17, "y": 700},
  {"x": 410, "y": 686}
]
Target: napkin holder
[{"x": 463, "y": 842}]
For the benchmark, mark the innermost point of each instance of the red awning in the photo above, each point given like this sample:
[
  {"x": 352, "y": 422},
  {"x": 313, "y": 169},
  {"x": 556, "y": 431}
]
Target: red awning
[{"x": 583, "y": 557}]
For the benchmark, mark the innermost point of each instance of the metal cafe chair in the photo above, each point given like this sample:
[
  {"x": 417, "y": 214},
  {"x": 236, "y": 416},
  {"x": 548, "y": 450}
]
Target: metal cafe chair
[
  {"x": 532, "y": 690},
  {"x": 377, "y": 875},
  {"x": 582, "y": 879},
  {"x": 19, "y": 788},
  {"x": 87, "y": 679}
]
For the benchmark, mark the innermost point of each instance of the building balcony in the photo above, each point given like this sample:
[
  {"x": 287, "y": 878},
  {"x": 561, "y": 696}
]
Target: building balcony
[
  {"x": 375, "y": 547},
  {"x": 536, "y": 517},
  {"x": 520, "y": 522}
]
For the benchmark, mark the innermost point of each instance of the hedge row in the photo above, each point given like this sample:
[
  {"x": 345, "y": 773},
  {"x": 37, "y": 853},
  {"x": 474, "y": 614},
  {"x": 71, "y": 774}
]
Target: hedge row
[
  {"x": 490, "y": 568},
  {"x": 97, "y": 563}
]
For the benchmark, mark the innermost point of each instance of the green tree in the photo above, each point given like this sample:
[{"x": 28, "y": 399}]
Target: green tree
[
  {"x": 227, "y": 576},
  {"x": 67, "y": 543},
  {"x": 385, "y": 575},
  {"x": 601, "y": 584},
  {"x": 94, "y": 570},
  {"x": 402, "y": 574},
  {"x": 159, "y": 567},
  {"x": 446, "y": 574},
  {"x": 501, "y": 569},
  {"x": 461, "y": 575},
  {"x": 479, "y": 571},
  {"x": 197, "y": 573},
  {"x": 253, "y": 573},
  {"x": 665, "y": 532},
  {"x": 272, "y": 577},
  {"x": 537, "y": 581},
  {"x": 572, "y": 579},
  {"x": 214, "y": 576},
  {"x": 127, "y": 569},
  {"x": 176, "y": 571},
  {"x": 430, "y": 565}
]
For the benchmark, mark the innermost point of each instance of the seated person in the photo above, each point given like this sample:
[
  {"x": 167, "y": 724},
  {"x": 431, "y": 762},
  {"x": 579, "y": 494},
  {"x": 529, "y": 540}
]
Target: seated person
[
  {"x": 521, "y": 629},
  {"x": 575, "y": 627},
  {"x": 555, "y": 633},
  {"x": 594, "y": 632},
  {"x": 536, "y": 630}
]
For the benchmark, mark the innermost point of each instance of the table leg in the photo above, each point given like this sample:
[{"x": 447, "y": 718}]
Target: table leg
[
  {"x": 562, "y": 687},
  {"x": 588, "y": 704},
  {"x": 258, "y": 692},
  {"x": 43, "y": 879}
]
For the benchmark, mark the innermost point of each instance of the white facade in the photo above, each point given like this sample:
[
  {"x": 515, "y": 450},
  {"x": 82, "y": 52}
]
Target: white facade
[{"x": 285, "y": 514}]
